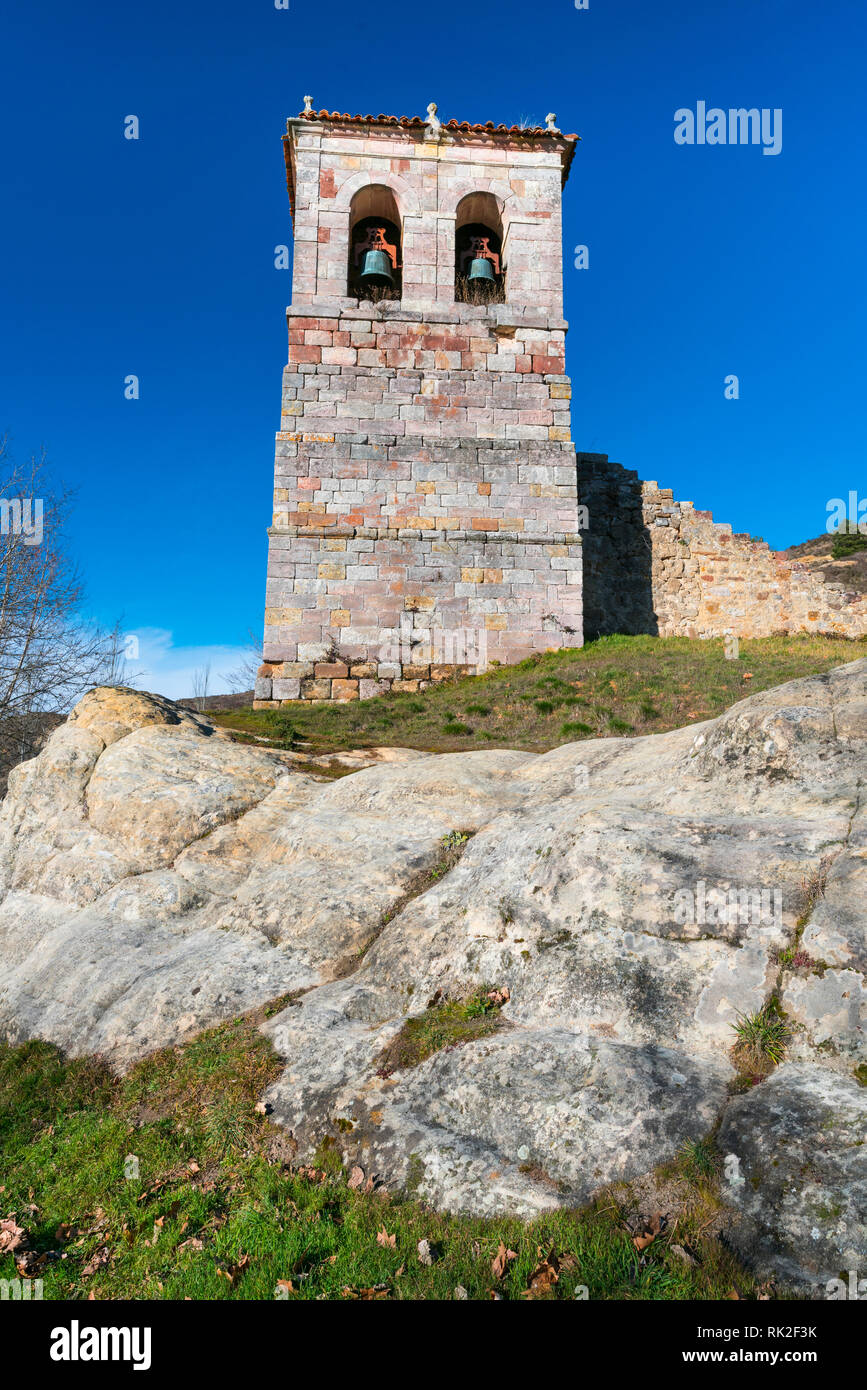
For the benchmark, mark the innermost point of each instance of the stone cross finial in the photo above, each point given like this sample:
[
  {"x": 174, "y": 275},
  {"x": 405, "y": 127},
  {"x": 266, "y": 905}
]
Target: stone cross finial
[
  {"x": 308, "y": 106},
  {"x": 551, "y": 122},
  {"x": 434, "y": 126}
]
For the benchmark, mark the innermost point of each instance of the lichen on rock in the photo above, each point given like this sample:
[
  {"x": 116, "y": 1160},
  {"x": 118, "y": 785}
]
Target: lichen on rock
[{"x": 627, "y": 899}]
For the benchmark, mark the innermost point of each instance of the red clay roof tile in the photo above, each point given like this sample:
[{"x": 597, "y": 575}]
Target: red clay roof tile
[
  {"x": 479, "y": 129},
  {"x": 417, "y": 123}
]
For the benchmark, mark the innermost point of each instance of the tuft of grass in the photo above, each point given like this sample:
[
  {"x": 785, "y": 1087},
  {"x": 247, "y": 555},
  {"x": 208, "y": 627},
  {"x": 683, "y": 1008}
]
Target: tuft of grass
[
  {"x": 284, "y": 730},
  {"x": 445, "y": 1023},
  {"x": 698, "y": 1161},
  {"x": 762, "y": 1039}
]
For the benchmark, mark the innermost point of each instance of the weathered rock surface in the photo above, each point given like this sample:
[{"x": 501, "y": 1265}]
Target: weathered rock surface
[
  {"x": 799, "y": 1144},
  {"x": 631, "y": 894}
]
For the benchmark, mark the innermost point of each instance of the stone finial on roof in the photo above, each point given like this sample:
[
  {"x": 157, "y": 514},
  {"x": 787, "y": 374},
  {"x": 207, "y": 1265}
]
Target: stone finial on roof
[
  {"x": 551, "y": 122},
  {"x": 434, "y": 125},
  {"x": 308, "y": 105}
]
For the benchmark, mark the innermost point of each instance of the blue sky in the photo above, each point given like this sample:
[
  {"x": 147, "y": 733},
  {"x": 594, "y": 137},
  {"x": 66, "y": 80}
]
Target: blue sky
[{"x": 155, "y": 257}]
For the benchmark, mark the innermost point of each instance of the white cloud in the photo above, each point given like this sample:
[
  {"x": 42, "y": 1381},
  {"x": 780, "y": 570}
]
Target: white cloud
[{"x": 165, "y": 669}]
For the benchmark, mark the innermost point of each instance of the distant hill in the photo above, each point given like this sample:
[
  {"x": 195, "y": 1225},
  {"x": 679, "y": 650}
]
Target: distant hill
[
  {"x": 238, "y": 700},
  {"x": 850, "y": 573}
]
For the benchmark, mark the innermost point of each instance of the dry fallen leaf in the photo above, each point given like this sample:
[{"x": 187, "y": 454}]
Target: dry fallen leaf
[
  {"x": 544, "y": 1276},
  {"x": 97, "y": 1261},
  {"x": 356, "y": 1177},
  {"x": 502, "y": 1260},
  {"x": 384, "y": 1239},
  {"x": 311, "y": 1174},
  {"x": 231, "y": 1272},
  {"x": 499, "y": 997},
  {"x": 11, "y": 1235},
  {"x": 651, "y": 1231}
]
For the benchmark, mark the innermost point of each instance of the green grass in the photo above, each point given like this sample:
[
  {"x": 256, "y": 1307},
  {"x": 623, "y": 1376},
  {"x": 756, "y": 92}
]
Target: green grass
[
  {"x": 762, "y": 1038},
  {"x": 615, "y": 686},
  {"x": 698, "y": 1161},
  {"x": 443, "y": 1024},
  {"x": 221, "y": 1209}
]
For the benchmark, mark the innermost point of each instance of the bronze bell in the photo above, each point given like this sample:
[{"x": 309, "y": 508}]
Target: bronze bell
[
  {"x": 481, "y": 269},
  {"x": 376, "y": 268},
  {"x": 484, "y": 263},
  {"x": 378, "y": 258}
]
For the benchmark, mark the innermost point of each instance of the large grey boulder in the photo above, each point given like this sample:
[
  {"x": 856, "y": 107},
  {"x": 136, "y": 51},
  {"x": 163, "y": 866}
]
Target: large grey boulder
[
  {"x": 801, "y": 1177},
  {"x": 632, "y": 896}
]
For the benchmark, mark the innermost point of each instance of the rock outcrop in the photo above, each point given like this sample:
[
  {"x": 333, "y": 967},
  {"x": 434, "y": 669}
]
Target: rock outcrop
[{"x": 633, "y": 896}]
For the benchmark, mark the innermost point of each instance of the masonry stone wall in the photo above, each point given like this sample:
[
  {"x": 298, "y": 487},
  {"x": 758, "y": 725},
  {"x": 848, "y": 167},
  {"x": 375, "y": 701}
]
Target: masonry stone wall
[
  {"x": 656, "y": 565},
  {"x": 425, "y": 511}
]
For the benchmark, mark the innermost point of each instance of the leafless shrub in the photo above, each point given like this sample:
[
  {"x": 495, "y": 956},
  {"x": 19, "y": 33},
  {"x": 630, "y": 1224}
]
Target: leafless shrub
[
  {"x": 49, "y": 655},
  {"x": 201, "y": 685},
  {"x": 243, "y": 677},
  {"x": 812, "y": 886}
]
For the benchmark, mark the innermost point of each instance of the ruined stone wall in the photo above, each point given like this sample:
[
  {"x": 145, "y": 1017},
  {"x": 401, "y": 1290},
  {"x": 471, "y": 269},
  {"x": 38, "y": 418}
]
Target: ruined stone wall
[{"x": 653, "y": 564}]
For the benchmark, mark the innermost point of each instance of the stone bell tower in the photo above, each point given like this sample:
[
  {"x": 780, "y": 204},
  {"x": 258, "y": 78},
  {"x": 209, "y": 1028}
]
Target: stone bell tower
[{"x": 425, "y": 508}]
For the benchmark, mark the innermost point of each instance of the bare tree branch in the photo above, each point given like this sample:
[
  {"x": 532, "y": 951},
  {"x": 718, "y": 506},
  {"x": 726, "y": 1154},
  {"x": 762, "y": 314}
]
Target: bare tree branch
[
  {"x": 48, "y": 654},
  {"x": 243, "y": 677}
]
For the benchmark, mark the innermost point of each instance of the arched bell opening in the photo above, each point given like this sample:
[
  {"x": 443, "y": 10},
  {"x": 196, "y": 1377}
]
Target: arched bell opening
[
  {"x": 375, "y": 260},
  {"x": 480, "y": 275}
]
